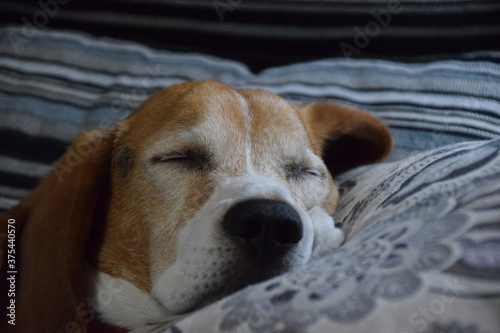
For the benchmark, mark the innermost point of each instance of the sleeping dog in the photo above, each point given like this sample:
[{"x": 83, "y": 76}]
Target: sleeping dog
[{"x": 200, "y": 192}]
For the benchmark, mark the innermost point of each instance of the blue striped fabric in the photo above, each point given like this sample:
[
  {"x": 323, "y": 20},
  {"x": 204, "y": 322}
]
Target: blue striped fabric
[{"x": 56, "y": 84}]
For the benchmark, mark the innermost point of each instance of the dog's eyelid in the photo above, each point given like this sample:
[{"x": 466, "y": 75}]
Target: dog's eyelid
[
  {"x": 297, "y": 170},
  {"x": 314, "y": 172},
  {"x": 181, "y": 153},
  {"x": 193, "y": 159},
  {"x": 169, "y": 157}
]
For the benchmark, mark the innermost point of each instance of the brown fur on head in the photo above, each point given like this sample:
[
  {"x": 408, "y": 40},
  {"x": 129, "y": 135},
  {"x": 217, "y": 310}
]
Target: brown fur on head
[{"x": 142, "y": 203}]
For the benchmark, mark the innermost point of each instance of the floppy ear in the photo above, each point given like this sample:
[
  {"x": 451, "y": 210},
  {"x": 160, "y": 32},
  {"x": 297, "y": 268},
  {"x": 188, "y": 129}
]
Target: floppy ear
[
  {"x": 55, "y": 221},
  {"x": 345, "y": 137}
]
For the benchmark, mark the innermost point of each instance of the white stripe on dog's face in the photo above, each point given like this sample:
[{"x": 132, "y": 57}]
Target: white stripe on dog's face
[{"x": 195, "y": 152}]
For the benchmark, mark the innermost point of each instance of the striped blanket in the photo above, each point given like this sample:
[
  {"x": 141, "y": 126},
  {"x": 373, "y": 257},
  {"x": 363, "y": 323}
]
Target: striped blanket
[{"x": 55, "y": 85}]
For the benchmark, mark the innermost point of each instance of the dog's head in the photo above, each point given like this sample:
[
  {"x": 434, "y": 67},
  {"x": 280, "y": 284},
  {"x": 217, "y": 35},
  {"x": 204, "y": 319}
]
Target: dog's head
[{"x": 200, "y": 192}]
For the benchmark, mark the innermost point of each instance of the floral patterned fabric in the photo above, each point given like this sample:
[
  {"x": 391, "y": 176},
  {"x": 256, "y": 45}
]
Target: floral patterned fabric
[{"x": 422, "y": 255}]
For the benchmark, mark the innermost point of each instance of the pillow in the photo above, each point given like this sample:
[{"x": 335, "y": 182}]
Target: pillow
[
  {"x": 57, "y": 84},
  {"x": 422, "y": 255}
]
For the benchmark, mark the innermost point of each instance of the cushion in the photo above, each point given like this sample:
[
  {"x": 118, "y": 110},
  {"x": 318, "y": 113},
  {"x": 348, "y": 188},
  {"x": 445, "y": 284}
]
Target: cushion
[{"x": 422, "y": 255}]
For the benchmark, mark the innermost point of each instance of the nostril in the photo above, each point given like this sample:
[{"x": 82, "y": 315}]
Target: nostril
[
  {"x": 248, "y": 229},
  {"x": 288, "y": 232}
]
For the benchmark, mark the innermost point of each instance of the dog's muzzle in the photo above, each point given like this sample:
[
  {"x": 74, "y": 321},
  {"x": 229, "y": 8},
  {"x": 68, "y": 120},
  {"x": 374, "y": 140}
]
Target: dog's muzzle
[{"x": 266, "y": 229}]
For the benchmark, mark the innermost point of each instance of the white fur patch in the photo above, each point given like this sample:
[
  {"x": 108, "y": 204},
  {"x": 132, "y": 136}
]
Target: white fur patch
[
  {"x": 326, "y": 236},
  {"x": 123, "y": 304}
]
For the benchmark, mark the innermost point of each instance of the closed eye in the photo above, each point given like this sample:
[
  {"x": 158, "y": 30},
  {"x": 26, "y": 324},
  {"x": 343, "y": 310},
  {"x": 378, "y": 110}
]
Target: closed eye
[
  {"x": 168, "y": 158},
  {"x": 299, "y": 171},
  {"x": 313, "y": 172},
  {"x": 192, "y": 159}
]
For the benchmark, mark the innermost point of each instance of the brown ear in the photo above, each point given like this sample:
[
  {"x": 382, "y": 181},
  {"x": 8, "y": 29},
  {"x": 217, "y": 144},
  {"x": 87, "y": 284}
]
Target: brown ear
[
  {"x": 55, "y": 221},
  {"x": 345, "y": 137}
]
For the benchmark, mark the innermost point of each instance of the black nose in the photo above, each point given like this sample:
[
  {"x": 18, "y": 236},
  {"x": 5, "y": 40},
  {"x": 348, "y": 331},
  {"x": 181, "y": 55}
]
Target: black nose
[{"x": 266, "y": 228}]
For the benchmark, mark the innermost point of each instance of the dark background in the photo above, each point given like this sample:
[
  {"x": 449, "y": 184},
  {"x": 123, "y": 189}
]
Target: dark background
[{"x": 266, "y": 33}]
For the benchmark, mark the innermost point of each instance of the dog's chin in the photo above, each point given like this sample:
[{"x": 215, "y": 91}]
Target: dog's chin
[{"x": 230, "y": 285}]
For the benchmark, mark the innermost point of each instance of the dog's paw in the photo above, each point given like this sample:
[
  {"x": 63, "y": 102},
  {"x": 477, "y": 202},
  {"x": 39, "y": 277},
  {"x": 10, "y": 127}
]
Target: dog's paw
[{"x": 327, "y": 237}]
